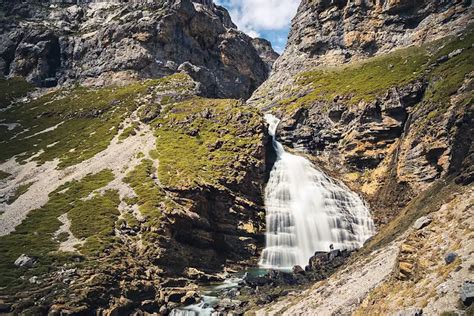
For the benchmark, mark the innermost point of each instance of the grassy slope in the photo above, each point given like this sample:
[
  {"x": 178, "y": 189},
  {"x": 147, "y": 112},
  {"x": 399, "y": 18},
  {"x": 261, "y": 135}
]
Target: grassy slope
[
  {"x": 203, "y": 141},
  {"x": 34, "y": 236},
  {"x": 13, "y": 89},
  {"x": 89, "y": 119},
  {"x": 199, "y": 142},
  {"x": 370, "y": 79}
]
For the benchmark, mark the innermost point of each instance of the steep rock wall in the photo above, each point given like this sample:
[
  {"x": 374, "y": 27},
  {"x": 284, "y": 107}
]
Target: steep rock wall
[{"x": 101, "y": 43}]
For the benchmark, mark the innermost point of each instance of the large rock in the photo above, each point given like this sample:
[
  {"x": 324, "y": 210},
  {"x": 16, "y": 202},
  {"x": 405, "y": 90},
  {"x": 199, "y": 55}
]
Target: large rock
[
  {"x": 25, "y": 261},
  {"x": 422, "y": 222},
  {"x": 467, "y": 293}
]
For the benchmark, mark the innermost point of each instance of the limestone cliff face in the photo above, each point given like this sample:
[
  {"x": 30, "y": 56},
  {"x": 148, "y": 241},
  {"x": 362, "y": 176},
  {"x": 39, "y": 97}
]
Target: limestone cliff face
[
  {"x": 334, "y": 32},
  {"x": 379, "y": 92},
  {"x": 108, "y": 42}
]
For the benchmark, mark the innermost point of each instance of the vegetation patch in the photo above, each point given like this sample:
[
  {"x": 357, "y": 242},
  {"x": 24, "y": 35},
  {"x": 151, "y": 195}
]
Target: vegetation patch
[
  {"x": 94, "y": 220},
  {"x": 80, "y": 122},
  {"x": 129, "y": 131},
  {"x": 4, "y": 175},
  {"x": 367, "y": 80},
  {"x": 23, "y": 188},
  {"x": 12, "y": 89},
  {"x": 362, "y": 81},
  {"x": 35, "y": 235},
  {"x": 151, "y": 199},
  {"x": 206, "y": 141}
]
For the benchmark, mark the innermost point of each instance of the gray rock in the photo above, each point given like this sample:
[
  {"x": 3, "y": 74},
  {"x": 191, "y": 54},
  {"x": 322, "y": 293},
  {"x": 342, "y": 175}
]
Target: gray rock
[
  {"x": 450, "y": 257},
  {"x": 455, "y": 53},
  {"x": 467, "y": 293},
  {"x": 24, "y": 261},
  {"x": 34, "y": 280},
  {"x": 71, "y": 43},
  {"x": 410, "y": 312},
  {"x": 422, "y": 222}
]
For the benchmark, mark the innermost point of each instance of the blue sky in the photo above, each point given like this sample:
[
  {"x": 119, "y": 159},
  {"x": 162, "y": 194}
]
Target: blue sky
[{"x": 270, "y": 19}]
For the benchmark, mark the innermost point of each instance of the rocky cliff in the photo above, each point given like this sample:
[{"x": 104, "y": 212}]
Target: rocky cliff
[
  {"x": 380, "y": 92},
  {"x": 127, "y": 177},
  {"x": 106, "y": 42},
  {"x": 120, "y": 193},
  {"x": 331, "y": 33}
]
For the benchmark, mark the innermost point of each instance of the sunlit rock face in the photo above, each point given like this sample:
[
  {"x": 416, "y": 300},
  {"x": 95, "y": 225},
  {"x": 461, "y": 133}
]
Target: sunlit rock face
[
  {"x": 308, "y": 212},
  {"x": 115, "y": 42}
]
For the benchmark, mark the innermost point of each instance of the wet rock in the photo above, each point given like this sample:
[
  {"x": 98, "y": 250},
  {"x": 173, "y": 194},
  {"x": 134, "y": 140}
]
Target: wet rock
[
  {"x": 175, "y": 296},
  {"x": 467, "y": 293},
  {"x": 298, "y": 270},
  {"x": 422, "y": 222},
  {"x": 450, "y": 257},
  {"x": 24, "y": 261},
  {"x": 191, "y": 297},
  {"x": 333, "y": 254},
  {"x": 4, "y": 307}
]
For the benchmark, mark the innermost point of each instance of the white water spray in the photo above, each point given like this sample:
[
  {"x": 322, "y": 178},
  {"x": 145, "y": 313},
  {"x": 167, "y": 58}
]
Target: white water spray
[{"x": 307, "y": 211}]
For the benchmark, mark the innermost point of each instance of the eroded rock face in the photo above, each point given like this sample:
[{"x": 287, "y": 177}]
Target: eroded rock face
[
  {"x": 388, "y": 119},
  {"x": 109, "y": 43},
  {"x": 265, "y": 50},
  {"x": 330, "y": 33}
]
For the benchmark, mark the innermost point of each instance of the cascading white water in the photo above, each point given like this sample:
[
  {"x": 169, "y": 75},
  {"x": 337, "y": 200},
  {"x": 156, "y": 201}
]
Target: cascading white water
[{"x": 307, "y": 211}]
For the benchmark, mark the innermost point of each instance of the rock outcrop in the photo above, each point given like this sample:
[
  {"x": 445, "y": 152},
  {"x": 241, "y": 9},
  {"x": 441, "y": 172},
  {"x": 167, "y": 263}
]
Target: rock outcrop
[
  {"x": 330, "y": 33},
  {"x": 109, "y": 42},
  {"x": 379, "y": 93}
]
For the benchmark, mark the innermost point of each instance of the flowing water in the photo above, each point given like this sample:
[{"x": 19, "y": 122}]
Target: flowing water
[{"x": 307, "y": 211}]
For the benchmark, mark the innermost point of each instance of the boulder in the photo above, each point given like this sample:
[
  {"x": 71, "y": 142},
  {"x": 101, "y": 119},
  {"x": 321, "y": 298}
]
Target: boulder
[
  {"x": 175, "y": 296},
  {"x": 467, "y": 293},
  {"x": 422, "y": 222},
  {"x": 24, "y": 261},
  {"x": 333, "y": 254},
  {"x": 406, "y": 268},
  {"x": 298, "y": 270},
  {"x": 450, "y": 257}
]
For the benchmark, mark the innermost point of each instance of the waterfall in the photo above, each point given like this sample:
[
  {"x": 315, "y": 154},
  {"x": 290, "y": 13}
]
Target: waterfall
[{"x": 306, "y": 211}]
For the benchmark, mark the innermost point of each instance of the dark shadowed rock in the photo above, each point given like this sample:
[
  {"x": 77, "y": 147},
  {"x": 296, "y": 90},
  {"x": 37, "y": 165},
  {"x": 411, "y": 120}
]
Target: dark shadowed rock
[
  {"x": 450, "y": 257},
  {"x": 467, "y": 293}
]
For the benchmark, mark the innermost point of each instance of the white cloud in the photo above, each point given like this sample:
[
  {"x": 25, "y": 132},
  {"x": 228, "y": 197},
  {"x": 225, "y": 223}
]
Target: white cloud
[{"x": 254, "y": 16}]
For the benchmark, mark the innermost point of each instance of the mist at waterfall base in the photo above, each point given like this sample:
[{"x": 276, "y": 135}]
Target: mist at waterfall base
[{"x": 306, "y": 211}]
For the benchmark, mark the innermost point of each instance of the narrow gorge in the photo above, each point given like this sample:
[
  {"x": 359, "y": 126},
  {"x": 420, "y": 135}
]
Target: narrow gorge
[{"x": 157, "y": 160}]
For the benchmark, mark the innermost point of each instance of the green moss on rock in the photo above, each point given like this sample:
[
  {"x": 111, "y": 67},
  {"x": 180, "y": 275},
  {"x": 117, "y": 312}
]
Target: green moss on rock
[{"x": 206, "y": 141}]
